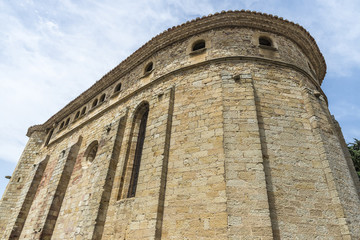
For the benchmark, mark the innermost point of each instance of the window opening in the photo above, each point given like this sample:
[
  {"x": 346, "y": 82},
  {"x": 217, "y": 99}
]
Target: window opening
[
  {"x": 67, "y": 121},
  {"x": 138, "y": 154},
  {"x": 149, "y": 67},
  {"x": 61, "y": 125},
  {"x": 118, "y": 88},
  {"x": 77, "y": 115},
  {"x": 198, "y": 45},
  {"x": 83, "y": 111},
  {"x": 102, "y": 98},
  {"x": 95, "y": 102},
  {"x": 265, "y": 41},
  {"x": 91, "y": 151}
]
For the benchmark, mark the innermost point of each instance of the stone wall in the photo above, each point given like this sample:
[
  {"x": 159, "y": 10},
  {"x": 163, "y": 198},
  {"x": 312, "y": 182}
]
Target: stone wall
[{"x": 19, "y": 185}]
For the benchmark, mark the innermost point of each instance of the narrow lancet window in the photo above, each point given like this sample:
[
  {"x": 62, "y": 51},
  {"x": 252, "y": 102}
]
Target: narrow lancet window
[{"x": 138, "y": 151}]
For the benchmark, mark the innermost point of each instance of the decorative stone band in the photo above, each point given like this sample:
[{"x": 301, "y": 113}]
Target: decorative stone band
[{"x": 240, "y": 19}]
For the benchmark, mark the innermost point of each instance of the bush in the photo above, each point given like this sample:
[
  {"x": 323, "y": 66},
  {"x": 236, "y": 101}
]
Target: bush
[{"x": 354, "y": 149}]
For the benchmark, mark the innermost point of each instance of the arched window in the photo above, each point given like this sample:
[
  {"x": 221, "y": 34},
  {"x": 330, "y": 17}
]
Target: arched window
[
  {"x": 198, "y": 45},
  {"x": 83, "y": 111},
  {"x": 117, "y": 88},
  {"x": 77, "y": 115},
  {"x": 91, "y": 151},
  {"x": 102, "y": 98},
  {"x": 95, "y": 102},
  {"x": 67, "y": 121},
  {"x": 139, "y": 130},
  {"x": 62, "y": 125},
  {"x": 264, "y": 41},
  {"x": 149, "y": 67}
]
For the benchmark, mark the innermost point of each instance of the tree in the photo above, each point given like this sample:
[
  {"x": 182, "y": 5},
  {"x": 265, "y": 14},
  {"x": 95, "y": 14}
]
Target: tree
[{"x": 354, "y": 149}]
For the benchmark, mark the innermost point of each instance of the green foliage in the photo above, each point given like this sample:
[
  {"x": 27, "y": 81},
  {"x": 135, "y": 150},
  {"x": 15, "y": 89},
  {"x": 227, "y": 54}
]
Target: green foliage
[{"x": 354, "y": 149}]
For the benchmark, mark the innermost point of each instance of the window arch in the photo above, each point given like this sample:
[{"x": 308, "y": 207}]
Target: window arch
[
  {"x": 95, "y": 102},
  {"x": 117, "y": 88},
  {"x": 265, "y": 41},
  {"x": 77, "y": 115},
  {"x": 131, "y": 170},
  {"x": 62, "y": 125},
  {"x": 149, "y": 67},
  {"x": 200, "y": 44},
  {"x": 83, "y": 111},
  {"x": 139, "y": 130},
  {"x": 91, "y": 151},
  {"x": 102, "y": 98},
  {"x": 67, "y": 122}
]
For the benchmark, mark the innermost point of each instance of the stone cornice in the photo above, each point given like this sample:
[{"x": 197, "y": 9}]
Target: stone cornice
[{"x": 241, "y": 19}]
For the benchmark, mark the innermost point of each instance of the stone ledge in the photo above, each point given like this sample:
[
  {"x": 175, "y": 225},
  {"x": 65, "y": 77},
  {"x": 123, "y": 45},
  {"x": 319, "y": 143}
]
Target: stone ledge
[
  {"x": 267, "y": 47},
  {"x": 198, "y": 52}
]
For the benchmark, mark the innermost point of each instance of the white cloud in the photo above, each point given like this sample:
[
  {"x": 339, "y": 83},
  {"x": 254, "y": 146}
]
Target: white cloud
[
  {"x": 339, "y": 34},
  {"x": 48, "y": 56}
]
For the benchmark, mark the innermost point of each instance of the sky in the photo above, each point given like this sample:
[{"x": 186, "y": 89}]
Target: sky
[{"x": 52, "y": 51}]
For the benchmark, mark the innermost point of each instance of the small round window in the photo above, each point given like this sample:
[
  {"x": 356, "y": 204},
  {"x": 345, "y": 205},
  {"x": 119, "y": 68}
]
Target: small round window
[
  {"x": 198, "y": 45},
  {"x": 91, "y": 151},
  {"x": 149, "y": 67},
  {"x": 264, "y": 41}
]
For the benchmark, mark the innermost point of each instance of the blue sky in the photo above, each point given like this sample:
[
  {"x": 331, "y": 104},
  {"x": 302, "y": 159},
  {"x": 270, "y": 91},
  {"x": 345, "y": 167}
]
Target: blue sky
[{"x": 51, "y": 51}]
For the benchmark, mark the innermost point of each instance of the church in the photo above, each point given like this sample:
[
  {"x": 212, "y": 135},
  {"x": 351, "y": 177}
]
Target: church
[{"x": 214, "y": 129}]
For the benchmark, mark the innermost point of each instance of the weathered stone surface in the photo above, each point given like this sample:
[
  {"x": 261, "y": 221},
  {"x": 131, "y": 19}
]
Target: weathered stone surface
[{"x": 239, "y": 144}]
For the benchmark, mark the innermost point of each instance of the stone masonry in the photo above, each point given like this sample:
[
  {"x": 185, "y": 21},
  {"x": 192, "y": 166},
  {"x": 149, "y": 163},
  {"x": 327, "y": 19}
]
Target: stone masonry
[{"x": 214, "y": 129}]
